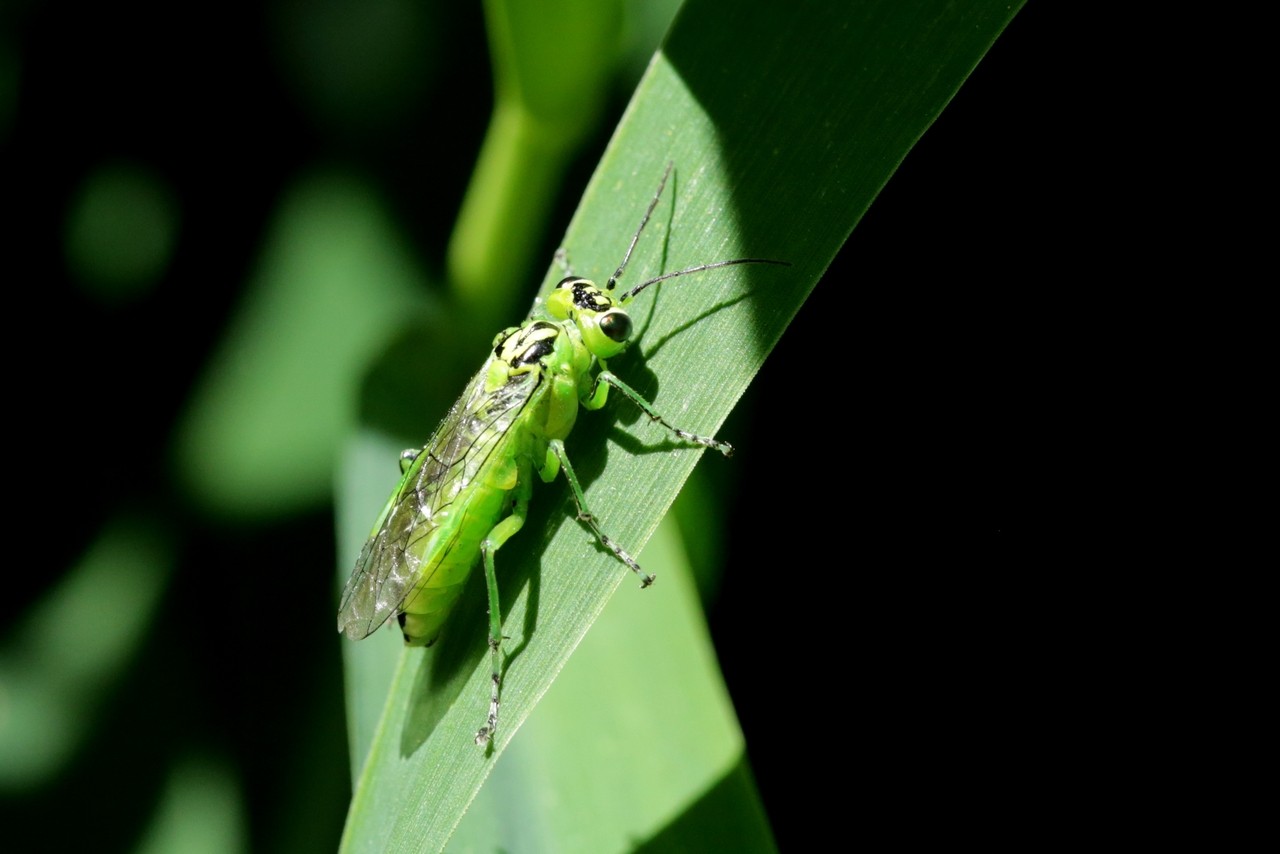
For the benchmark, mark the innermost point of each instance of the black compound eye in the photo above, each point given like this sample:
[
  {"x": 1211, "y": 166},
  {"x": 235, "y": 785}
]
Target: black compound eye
[{"x": 616, "y": 325}]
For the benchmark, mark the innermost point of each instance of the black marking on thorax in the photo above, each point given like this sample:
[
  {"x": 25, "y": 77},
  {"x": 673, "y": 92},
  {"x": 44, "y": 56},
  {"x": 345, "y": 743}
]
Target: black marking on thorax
[{"x": 528, "y": 344}]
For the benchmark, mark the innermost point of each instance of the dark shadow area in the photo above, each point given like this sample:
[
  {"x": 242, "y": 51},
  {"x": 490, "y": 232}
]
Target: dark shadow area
[
  {"x": 652, "y": 347},
  {"x": 909, "y": 459},
  {"x": 721, "y": 820}
]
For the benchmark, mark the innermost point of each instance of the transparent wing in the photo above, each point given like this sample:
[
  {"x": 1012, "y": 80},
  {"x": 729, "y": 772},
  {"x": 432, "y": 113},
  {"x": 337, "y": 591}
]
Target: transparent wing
[{"x": 397, "y": 557}]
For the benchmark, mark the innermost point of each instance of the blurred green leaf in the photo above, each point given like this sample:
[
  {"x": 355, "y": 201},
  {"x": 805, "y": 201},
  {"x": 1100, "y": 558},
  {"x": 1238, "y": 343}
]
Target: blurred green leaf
[
  {"x": 553, "y": 63},
  {"x": 62, "y": 660},
  {"x": 263, "y": 431},
  {"x": 199, "y": 812},
  {"x": 360, "y": 66},
  {"x": 121, "y": 230}
]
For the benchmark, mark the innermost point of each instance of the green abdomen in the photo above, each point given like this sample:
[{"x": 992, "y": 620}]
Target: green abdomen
[{"x": 452, "y": 549}]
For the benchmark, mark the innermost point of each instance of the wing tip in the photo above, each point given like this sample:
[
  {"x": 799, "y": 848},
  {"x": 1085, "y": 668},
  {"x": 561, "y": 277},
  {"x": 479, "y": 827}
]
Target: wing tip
[{"x": 353, "y": 629}]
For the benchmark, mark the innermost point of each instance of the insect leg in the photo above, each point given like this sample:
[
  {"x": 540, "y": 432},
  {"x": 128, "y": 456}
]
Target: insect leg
[
  {"x": 557, "y": 459},
  {"x": 500, "y": 534},
  {"x": 596, "y": 399}
]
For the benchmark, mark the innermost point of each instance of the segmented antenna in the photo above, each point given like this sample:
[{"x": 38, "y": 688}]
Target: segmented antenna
[
  {"x": 638, "y": 288},
  {"x": 613, "y": 280}
]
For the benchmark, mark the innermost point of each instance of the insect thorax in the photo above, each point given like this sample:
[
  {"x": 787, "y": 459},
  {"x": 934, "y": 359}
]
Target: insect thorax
[{"x": 521, "y": 347}]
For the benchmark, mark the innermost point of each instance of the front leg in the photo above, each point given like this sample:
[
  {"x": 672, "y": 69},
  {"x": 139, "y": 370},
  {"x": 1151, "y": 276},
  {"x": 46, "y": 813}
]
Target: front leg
[
  {"x": 558, "y": 460},
  {"x": 599, "y": 394}
]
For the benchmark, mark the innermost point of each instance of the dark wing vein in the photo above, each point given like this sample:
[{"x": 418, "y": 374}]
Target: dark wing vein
[{"x": 391, "y": 562}]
